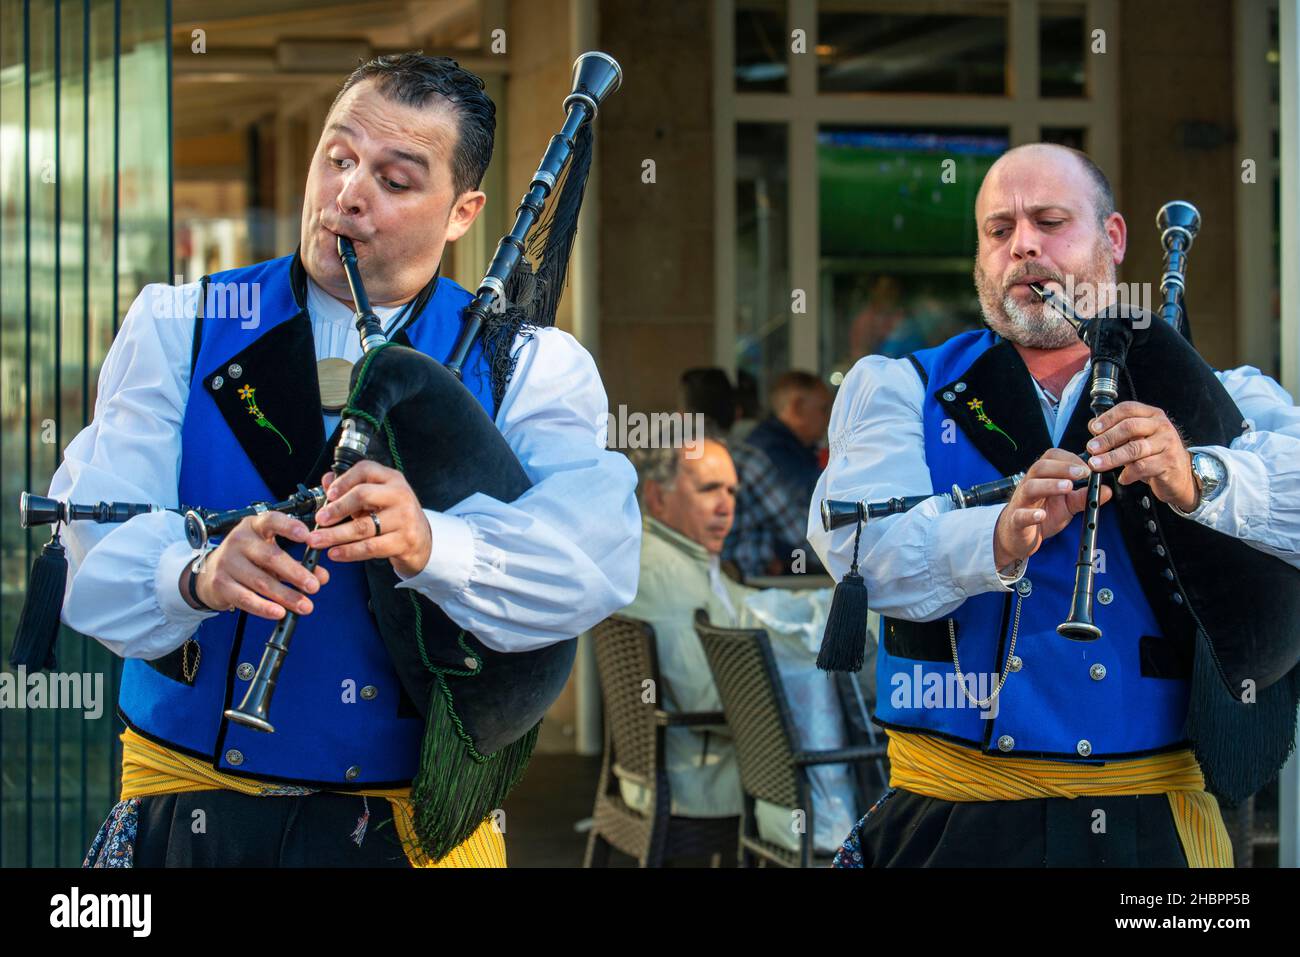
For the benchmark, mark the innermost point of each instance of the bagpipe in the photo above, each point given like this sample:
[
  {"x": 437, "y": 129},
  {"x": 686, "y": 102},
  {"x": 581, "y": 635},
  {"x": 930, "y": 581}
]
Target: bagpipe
[
  {"x": 407, "y": 411},
  {"x": 1234, "y": 608}
]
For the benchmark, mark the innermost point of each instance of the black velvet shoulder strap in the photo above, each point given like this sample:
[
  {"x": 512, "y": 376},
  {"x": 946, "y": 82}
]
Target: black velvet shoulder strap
[
  {"x": 198, "y": 326},
  {"x": 920, "y": 369}
]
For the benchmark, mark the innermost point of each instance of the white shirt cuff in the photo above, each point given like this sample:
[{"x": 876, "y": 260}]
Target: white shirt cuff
[
  {"x": 1014, "y": 572},
  {"x": 174, "y": 607},
  {"x": 1241, "y": 507},
  {"x": 451, "y": 559}
]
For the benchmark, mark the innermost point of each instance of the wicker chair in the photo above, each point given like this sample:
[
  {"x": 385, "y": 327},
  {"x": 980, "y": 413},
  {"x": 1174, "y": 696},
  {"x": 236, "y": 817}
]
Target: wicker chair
[
  {"x": 772, "y": 764},
  {"x": 634, "y": 751}
]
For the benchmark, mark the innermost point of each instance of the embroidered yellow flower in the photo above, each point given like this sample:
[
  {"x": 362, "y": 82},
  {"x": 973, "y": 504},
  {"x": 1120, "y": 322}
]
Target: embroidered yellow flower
[
  {"x": 983, "y": 417},
  {"x": 248, "y": 393}
]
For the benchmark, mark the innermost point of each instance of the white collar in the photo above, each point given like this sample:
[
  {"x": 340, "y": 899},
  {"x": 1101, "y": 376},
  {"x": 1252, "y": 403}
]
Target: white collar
[{"x": 325, "y": 308}]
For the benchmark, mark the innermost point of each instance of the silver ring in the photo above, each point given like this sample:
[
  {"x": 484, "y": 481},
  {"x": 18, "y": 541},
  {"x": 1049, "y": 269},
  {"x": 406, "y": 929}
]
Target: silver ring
[{"x": 374, "y": 517}]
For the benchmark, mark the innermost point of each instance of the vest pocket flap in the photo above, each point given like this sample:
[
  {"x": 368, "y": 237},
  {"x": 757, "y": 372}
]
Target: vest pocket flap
[
  {"x": 181, "y": 665},
  {"x": 1165, "y": 657},
  {"x": 919, "y": 640}
]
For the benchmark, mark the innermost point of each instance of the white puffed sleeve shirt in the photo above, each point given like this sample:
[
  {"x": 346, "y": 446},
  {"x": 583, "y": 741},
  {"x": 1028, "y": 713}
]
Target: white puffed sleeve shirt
[
  {"x": 922, "y": 564},
  {"x": 519, "y": 575}
]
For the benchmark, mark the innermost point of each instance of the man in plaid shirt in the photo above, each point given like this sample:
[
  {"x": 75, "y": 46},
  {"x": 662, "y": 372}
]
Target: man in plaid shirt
[{"x": 770, "y": 525}]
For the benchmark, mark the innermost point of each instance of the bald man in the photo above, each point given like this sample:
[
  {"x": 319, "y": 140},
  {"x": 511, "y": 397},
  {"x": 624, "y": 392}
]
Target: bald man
[{"x": 1009, "y": 744}]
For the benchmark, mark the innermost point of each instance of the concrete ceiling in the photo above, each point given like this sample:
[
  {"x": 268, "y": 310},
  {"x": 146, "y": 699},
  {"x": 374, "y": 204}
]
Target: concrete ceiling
[{"x": 262, "y": 55}]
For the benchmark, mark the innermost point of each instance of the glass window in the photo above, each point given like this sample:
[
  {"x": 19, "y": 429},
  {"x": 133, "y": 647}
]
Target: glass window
[
  {"x": 762, "y": 46},
  {"x": 1273, "y": 57},
  {"x": 1072, "y": 136},
  {"x": 897, "y": 237},
  {"x": 1274, "y": 60},
  {"x": 762, "y": 253},
  {"x": 889, "y": 48},
  {"x": 85, "y": 180},
  {"x": 1062, "y": 40}
]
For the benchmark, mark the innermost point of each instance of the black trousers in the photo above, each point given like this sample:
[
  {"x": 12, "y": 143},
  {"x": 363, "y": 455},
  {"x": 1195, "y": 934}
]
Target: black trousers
[
  {"x": 910, "y": 830},
  {"x": 228, "y": 829}
]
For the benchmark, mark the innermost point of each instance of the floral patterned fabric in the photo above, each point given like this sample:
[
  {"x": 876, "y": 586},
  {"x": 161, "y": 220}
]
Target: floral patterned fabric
[
  {"x": 114, "y": 845},
  {"x": 850, "y": 852}
]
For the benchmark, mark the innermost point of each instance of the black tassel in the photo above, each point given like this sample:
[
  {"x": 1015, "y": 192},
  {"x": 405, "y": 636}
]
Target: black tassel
[
  {"x": 1240, "y": 745},
  {"x": 38, "y": 625},
  {"x": 534, "y": 290},
  {"x": 844, "y": 643},
  {"x": 552, "y": 241}
]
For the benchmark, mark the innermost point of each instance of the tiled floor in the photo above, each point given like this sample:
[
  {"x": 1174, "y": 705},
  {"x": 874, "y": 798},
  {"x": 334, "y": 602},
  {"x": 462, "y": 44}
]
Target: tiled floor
[
  {"x": 556, "y": 793},
  {"x": 558, "y": 790}
]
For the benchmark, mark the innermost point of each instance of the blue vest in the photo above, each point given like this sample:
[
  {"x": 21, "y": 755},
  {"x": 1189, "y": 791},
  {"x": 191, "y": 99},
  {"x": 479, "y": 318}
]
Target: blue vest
[
  {"x": 1117, "y": 696},
  {"x": 340, "y": 715}
]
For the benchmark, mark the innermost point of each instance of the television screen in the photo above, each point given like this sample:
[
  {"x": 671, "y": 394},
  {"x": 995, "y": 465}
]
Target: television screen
[{"x": 895, "y": 193}]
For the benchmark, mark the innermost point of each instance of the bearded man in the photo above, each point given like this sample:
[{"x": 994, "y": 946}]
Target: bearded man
[{"x": 1009, "y": 744}]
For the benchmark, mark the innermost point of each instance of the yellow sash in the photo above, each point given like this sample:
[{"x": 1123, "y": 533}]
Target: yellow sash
[
  {"x": 939, "y": 769},
  {"x": 151, "y": 769}
]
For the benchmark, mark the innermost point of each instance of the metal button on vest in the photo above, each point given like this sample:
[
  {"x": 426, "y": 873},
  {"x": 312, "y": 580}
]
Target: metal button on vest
[
  {"x": 1151, "y": 527},
  {"x": 1024, "y": 587},
  {"x": 1006, "y": 742},
  {"x": 1084, "y": 748},
  {"x": 1176, "y": 598},
  {"x": 234, "y": 757},
  {"x": 352, "y": 773},
  {"x": 245, "y": 671},
  {"x": 369, "y": 692},
  {"x": 1097, "y": 671},
  {"x": 1168, "y": 573},
  {"x": 235, "y": 370},
  {"x": 960, "y": 387},
  {"x": 1160, "y": 550},
  {"x": 1015, "y": 663},
  {"x": 1146, "y": 501},
  {"x": 471, "y": 664},
  {"x": 1105, "y": 596},
  {"x": 218, "y": 382},
  {"x": 949, "y": 396}
]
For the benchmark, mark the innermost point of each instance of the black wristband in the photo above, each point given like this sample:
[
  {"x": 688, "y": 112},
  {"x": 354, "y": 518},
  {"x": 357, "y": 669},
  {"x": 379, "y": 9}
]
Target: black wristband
[{"x": 194, "y": 591}]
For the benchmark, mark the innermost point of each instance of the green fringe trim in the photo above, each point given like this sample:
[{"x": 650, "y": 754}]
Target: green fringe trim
[{"x": 456, "y": 788}]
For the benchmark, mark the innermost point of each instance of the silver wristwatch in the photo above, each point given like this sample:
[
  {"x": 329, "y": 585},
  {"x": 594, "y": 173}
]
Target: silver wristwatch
[{"x": 1209, "y": 474}]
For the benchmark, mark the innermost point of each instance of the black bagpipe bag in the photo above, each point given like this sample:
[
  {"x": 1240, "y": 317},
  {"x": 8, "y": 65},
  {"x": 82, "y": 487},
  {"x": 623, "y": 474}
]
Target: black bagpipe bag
[
  {"x": 482, "y": 707},
  {"x": 1234, "y": 609}
]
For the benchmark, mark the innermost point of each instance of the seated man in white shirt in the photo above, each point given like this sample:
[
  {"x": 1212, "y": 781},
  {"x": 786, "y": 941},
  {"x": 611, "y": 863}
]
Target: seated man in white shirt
[
  {"x": 688, "y": 498},
  {"x": 220, "y": 413},
  {"x": 688, "y": 502}
]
